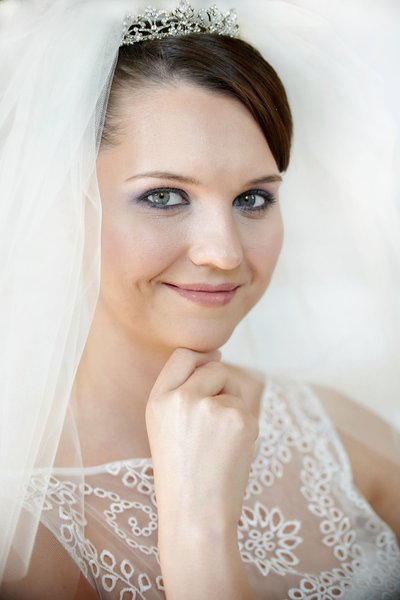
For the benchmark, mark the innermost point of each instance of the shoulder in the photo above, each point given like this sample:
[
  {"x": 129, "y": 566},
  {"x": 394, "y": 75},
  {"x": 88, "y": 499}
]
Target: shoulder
[{"x": 372, "y": 446}]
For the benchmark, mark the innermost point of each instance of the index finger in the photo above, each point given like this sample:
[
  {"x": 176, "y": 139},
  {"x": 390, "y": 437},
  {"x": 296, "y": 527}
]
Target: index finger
[{"x": 180, "y": 366}]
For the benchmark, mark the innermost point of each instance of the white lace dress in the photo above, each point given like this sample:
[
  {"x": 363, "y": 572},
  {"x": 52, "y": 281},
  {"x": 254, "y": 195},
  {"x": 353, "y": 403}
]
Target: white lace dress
[{"x": 305, "y": 530}]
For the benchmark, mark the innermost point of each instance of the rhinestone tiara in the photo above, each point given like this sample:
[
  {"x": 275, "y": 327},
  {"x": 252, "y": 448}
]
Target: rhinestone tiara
[{"x": 155, "y": 24}]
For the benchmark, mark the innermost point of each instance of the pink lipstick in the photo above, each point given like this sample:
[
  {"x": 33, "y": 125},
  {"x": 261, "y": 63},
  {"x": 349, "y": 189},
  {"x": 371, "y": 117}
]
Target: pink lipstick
[{"x": 204, "y": 294}]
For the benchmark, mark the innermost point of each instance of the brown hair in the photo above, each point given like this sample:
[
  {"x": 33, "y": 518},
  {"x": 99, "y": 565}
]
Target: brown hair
[{"x": 221, "y": 64}]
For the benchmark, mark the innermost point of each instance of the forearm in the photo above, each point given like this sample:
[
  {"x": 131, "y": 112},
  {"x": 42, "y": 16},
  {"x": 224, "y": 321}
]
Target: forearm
[{"x": 201, "y": 565}]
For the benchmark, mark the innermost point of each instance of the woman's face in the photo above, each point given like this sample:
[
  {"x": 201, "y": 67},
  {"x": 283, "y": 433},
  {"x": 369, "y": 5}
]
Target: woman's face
[{"x": 186, "y": 199}]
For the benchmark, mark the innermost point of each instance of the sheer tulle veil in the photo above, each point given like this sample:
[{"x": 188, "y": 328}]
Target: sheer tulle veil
[{"x": 331, "y": 313}]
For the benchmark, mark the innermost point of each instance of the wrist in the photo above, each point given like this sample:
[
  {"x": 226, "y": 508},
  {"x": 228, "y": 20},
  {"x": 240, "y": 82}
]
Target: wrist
[
  {"x": 204, "y": 530},
  {"x": 202, "y": 562},
  {"x": 189, "y": 541}
]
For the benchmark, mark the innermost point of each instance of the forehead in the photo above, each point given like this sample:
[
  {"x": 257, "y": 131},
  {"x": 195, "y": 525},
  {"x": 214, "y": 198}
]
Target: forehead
[{"x": 184, "y": 127}]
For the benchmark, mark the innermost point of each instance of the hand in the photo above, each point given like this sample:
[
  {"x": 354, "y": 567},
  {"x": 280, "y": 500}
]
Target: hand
[{"x": 202, "y": 438}]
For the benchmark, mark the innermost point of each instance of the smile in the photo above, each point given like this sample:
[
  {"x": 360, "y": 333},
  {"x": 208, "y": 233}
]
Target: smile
[{"x": 206, "y": 295}]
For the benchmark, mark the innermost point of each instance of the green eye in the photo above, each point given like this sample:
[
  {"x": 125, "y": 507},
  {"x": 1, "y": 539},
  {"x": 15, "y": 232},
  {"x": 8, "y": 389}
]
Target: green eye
[
  {"x": 164, "y": 198},
  {"x": 255, "y": 201},
  {"x": 251, "y": 200}
]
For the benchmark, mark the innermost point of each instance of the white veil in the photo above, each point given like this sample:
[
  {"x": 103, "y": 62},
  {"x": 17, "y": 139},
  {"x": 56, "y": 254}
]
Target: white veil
[
  {"x": 56, "y": 64},
  {"x": 332, "y": 311}
]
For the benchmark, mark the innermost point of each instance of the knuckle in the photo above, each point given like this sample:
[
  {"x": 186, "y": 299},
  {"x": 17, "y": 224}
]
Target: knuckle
[
  {"x": 155, "y": 403},
  {"x": 244, "y": 422},
  {"x": 180, "y": 396},
  {"x": 211, "y": 364},
  {"x": 154, "y": 400},
  {"x": 237, "y": 418},
  {"x": 208, "y": 404}
]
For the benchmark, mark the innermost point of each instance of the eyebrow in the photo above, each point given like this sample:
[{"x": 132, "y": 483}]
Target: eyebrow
[{"x": 191, "y": 180}]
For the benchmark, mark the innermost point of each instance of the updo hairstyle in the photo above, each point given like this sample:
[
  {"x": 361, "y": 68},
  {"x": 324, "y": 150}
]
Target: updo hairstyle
[{"x": 217, "y": 63}]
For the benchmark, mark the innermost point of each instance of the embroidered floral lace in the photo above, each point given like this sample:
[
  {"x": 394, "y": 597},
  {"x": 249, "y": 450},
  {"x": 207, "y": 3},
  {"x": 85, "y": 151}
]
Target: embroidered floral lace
[{"x": 305, "y": 531}]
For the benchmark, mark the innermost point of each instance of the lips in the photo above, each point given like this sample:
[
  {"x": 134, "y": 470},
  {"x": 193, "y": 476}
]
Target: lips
[
  {"x": 205, "y": 287},
  {"x": 205, "y": 294}
]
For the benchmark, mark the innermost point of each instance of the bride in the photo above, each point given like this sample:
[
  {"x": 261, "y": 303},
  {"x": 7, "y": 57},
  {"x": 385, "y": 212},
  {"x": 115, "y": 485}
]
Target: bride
[{"x": 177, "y": 473}]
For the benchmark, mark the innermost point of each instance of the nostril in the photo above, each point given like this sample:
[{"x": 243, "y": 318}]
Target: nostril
[{"x": 217, "y": 260}]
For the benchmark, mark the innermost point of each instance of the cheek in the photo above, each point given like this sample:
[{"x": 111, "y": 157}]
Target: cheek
[
  {"x": 136, "y": 253},
  {"x": 263, "y": 252}
]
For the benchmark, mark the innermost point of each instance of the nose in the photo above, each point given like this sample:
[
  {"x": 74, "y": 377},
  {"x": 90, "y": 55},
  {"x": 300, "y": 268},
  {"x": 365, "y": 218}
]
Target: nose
[{"x": 215, "y": 242}]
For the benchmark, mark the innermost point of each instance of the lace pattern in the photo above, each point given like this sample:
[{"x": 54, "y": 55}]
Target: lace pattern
[{"x": 305, "y": 531}]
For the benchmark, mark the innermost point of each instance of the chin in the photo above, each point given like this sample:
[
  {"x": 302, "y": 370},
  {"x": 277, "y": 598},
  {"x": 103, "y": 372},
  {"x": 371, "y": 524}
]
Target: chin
[
  {"x": 204, "y": 341},
  {"x": 201, "y": 335}
]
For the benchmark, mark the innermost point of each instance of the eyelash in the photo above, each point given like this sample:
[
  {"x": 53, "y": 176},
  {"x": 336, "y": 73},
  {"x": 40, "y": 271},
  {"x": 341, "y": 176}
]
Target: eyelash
[{"x": 269, "y": 199}]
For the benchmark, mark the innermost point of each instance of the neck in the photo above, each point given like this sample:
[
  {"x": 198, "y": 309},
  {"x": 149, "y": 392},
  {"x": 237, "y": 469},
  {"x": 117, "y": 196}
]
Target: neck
[{"x": 112, "y": 386}]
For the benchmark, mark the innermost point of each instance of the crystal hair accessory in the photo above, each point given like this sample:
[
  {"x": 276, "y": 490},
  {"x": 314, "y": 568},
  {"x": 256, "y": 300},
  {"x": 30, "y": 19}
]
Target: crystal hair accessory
[{"x": 156, "y": 24}]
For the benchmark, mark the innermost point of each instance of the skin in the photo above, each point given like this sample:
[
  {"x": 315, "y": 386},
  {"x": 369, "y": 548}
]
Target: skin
[
  {"x": 207, "y": 242},
  {"x": 139, "y": 322},
  {"x": 151, "y": 365},
  {"x": 151, "y": 369}
]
